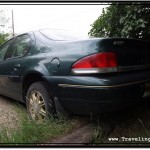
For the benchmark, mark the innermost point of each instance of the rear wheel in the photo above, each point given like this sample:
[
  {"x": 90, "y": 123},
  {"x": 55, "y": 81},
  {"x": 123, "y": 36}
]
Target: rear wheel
[{"x": 39, "y": 102}]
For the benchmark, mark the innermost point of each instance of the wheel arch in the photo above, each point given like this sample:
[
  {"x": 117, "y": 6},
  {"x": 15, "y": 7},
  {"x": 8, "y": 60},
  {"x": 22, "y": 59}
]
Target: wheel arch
[
  {"x": 29, "y": 79},
  {"x": 33, "y": 77}
]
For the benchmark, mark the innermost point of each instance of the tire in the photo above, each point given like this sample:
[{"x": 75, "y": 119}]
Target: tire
[{"x": 39, "y": 102}]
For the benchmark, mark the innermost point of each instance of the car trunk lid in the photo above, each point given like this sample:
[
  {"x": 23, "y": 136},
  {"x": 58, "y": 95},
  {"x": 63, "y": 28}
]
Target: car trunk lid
[{"x": 130, "y": 53}]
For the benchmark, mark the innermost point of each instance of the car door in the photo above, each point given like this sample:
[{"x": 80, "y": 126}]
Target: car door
[
  {"x": 3, "y": 50},
  {"x": 13, "y": 66}
]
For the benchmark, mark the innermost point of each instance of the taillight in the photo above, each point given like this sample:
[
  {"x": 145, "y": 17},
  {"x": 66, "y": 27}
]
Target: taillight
[{"x": 98, "y": 61}]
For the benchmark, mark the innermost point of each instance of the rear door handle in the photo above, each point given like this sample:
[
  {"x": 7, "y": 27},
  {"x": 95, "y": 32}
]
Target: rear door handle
[{"x": 17, "y": 66}]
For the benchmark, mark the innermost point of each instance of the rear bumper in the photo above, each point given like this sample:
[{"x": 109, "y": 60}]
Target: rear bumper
[
  {"x": 100, "y": 100},
  {"x": 87, "y": 94}
]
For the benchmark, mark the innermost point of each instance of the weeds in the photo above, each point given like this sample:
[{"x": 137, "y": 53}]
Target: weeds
[
  {"x": 30, "y": 132},
  {"x": 131, "y": 123}
]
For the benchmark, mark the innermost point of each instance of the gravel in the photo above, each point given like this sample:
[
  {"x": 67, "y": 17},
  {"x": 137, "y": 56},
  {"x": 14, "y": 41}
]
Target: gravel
[{"x": 9, "y": 118}]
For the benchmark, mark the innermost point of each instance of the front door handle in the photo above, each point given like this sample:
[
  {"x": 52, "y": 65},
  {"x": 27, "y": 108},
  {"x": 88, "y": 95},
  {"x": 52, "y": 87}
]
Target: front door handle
[{"x": 17, "y": 66}]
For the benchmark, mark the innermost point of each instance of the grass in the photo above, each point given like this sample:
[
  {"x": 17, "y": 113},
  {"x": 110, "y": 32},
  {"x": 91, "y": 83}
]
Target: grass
[
  {"x": 30, "y": 132},
  {"x": 133, "y": 122}
]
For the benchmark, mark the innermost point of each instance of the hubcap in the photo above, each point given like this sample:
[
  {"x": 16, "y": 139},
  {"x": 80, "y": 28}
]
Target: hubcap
[{"x": 37, "y": 106}]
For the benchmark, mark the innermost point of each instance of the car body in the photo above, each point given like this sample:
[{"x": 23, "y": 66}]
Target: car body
[{"x": 71, "y": 72}]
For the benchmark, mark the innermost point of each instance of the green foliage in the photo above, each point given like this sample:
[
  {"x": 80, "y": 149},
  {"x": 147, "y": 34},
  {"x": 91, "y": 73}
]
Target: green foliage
[
  {"x": 3, "y": 21},
  {"x": 123, "y": 20},
  {"x": 3, "y": 37}
]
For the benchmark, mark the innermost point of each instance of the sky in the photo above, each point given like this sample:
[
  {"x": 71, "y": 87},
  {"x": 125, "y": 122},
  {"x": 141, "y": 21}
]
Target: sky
[{"x": 76, "y": 18}]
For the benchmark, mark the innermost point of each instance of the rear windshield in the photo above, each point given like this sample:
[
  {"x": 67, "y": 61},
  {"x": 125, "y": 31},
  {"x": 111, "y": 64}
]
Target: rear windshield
[{"x": 60, "y": 35}]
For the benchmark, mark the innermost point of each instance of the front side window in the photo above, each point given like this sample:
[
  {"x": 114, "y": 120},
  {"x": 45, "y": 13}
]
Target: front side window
[
  {"x": 20, "y": 46},
  {"x": 4, "y": 49}
]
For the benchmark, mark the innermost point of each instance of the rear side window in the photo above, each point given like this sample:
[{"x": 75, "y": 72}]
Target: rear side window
[
  {"x": 20, "y": 46},
  {"x": 60, "y": 35}
]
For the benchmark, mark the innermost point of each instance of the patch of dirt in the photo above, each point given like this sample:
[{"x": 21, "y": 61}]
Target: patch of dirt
[{"x": 81, "y": 136}]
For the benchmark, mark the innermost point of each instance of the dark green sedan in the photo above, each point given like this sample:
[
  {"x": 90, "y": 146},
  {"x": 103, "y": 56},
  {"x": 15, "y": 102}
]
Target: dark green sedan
[{"x": 54, "y": 71}]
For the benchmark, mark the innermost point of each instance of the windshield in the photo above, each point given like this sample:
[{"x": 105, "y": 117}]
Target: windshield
[{"x": 60, "y": 35}]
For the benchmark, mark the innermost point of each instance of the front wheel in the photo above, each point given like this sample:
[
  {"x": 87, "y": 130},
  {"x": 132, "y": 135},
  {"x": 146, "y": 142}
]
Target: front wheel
[{"x": 39, "y": 102}]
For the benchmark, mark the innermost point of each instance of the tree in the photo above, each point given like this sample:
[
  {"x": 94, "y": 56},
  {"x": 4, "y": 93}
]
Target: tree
[
  {"x": 3, "y": 37},
  {"x": 123, "y": 20},
  {"x": 3, "y": 20}
]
